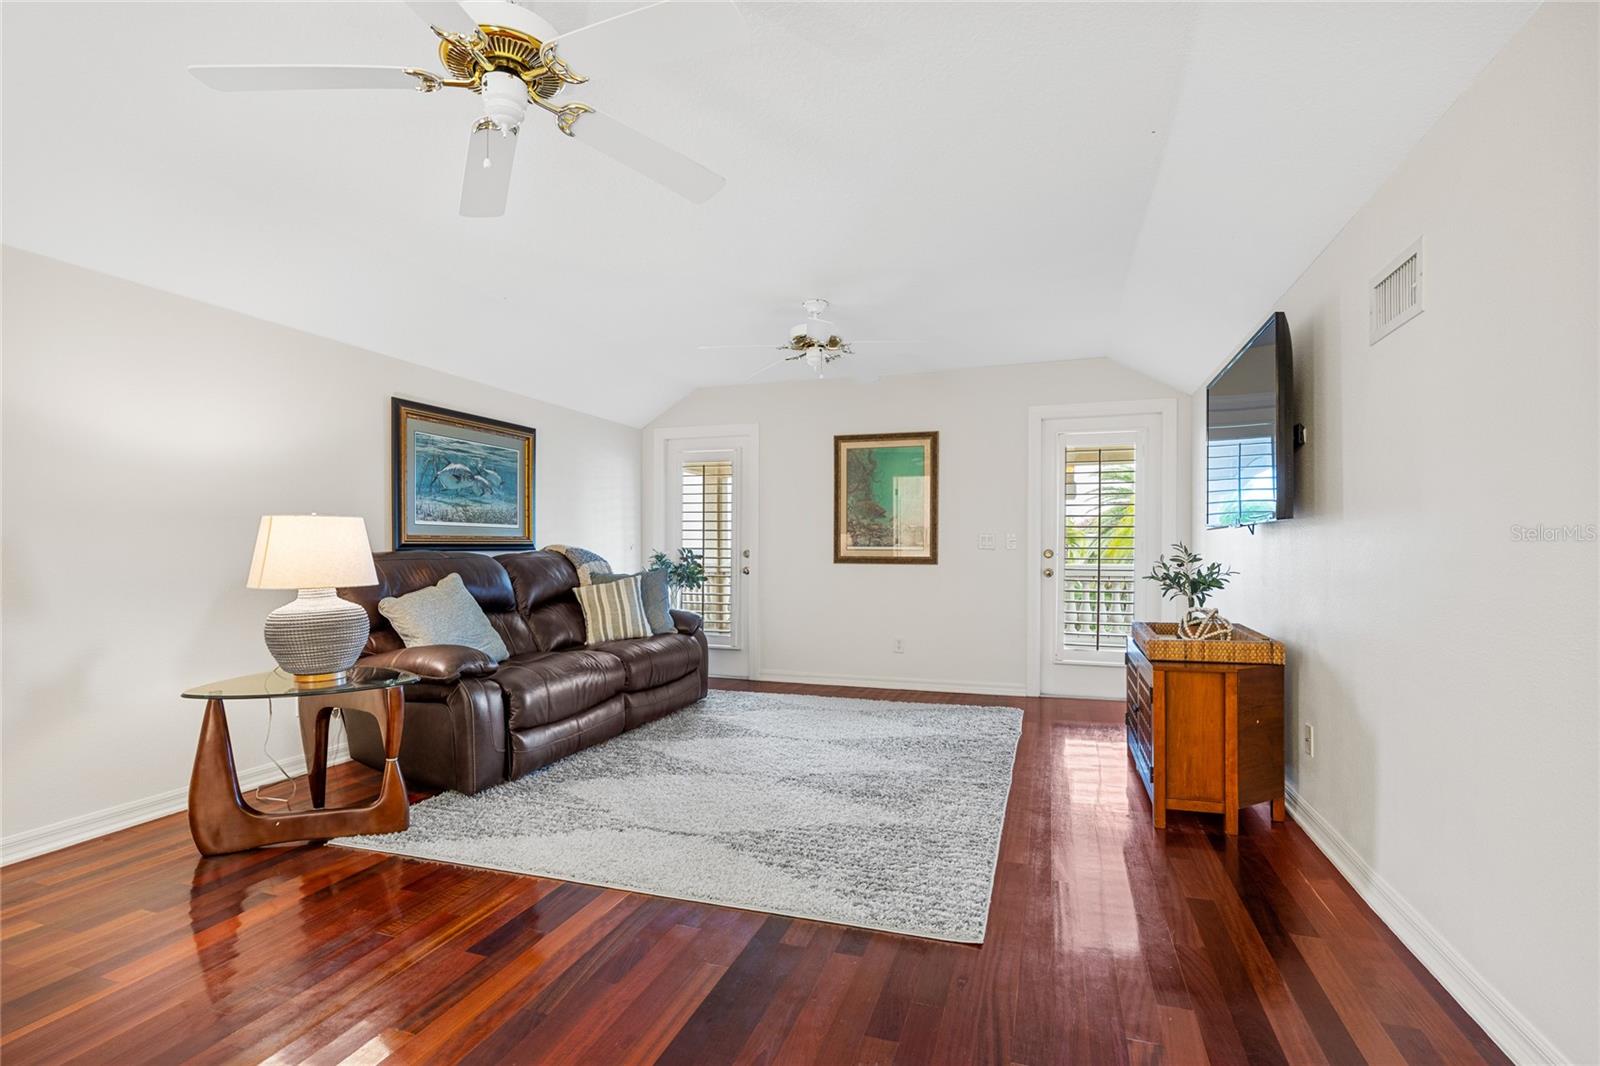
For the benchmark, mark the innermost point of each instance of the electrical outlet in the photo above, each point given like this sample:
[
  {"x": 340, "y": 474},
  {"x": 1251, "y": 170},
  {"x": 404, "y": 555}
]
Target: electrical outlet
[
  {"x": 1308, "y": 740},
  {"x": 899, "y": 645},
  {"x": 1011, "y": 542},
  {"x": 986, "y": 542}
]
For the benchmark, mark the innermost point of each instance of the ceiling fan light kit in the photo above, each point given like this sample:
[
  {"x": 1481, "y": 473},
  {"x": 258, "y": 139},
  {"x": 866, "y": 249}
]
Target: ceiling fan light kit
[{"x": 510, "y": 58}]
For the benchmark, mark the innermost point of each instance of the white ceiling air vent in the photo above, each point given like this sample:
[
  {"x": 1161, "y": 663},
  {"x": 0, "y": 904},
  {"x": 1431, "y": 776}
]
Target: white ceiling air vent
[{"x": 1397, "y": 293}]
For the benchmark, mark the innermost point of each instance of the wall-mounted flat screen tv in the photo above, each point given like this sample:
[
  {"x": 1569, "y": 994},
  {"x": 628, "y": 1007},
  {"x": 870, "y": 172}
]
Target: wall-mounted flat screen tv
[{"x": 1250, "y": 432}]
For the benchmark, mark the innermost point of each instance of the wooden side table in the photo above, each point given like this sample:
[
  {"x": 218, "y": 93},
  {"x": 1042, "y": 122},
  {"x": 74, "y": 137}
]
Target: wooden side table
[
  {"x": 1206, "y": 735},
  {"x": 222, "y": 821}
]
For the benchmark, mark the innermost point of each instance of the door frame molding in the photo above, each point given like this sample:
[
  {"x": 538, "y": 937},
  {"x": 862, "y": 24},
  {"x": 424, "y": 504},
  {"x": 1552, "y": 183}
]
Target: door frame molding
[
  {"x": 654, "y": 508},
  {"x": 1166, "y": 411}
]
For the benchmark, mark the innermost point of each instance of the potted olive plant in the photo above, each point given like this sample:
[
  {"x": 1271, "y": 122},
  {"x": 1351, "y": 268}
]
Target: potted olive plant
[
  {"x": 687, "y": 573},
  {"x": 1184, "y": 575}
]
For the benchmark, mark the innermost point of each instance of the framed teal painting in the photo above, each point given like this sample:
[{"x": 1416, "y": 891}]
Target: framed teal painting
[
  {"x": 460, "y": 480},
  {"x": 886, "y": 498}
]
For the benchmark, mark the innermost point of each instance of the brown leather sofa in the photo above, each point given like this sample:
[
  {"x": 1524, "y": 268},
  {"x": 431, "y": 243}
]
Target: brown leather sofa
[{"x": 470, "y": 723}]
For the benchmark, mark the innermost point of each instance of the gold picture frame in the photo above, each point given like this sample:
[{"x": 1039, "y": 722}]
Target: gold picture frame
[{"x": 886, "y": 498}]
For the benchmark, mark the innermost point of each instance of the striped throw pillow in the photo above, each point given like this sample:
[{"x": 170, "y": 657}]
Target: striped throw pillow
[{"x": 613, "y": 611}]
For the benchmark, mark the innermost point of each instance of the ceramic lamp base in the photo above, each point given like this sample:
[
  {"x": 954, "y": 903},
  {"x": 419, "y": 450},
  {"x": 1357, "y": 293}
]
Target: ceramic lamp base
[{"x": 317, "y": 637}]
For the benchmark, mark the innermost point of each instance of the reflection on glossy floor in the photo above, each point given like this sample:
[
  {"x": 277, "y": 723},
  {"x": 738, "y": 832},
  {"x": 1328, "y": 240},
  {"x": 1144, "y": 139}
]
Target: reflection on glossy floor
[{"x": 1108, "y": 942}]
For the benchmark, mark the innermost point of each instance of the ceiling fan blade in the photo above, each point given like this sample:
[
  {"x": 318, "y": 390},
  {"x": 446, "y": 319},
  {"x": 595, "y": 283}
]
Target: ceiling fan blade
[
  {"x": 656, "y": 34},
  {"x": 649, "y": 157},
  {"x": 769, "y": 366},
  {"x": 277, "y": 76},
  {"x": 484, "y": 186},
  {"x": 725, "y": 347},
  {"x": 446, "y": 15}
]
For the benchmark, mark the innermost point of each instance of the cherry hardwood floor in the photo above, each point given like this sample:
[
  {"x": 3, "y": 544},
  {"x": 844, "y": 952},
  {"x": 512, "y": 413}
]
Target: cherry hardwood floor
[{"x": 1109, "y": 942}]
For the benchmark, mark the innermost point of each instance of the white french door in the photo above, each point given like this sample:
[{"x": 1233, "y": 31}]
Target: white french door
[
  {"x": 1100, "y": 506},
  {"x": 708, "y": 509}
]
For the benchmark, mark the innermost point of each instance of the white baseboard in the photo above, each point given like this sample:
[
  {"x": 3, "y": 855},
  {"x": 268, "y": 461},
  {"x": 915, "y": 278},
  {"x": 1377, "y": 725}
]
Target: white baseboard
[
  {"x": 1506, "y": 1025},
  {"x": 69, "y": 831},
  {"x": 985, "y": 688}
]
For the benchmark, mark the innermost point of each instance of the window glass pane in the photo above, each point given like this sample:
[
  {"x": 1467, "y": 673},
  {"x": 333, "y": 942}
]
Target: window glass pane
[
  {"x": 707, "y": 528},
  {"x": 1097, "y": 554}
]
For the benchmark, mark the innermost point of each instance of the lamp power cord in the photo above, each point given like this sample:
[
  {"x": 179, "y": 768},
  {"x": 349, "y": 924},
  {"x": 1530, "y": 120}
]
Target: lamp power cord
[{"x": 286, "y": 802}]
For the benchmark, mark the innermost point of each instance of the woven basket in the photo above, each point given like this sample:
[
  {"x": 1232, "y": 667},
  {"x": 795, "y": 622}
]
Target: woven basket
[{"x": 1160, "y": 640}]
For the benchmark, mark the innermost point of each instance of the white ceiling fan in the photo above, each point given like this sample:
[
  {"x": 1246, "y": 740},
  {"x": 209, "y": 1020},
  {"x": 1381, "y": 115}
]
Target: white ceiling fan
[
  {"x": 512, "y": 58},
  {"x": 812, "y": 342}
]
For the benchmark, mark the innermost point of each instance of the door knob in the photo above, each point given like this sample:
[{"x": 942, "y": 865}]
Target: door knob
[
  {"x": 1049, "y": 553},
  {"x": 1049, "y": 572}
]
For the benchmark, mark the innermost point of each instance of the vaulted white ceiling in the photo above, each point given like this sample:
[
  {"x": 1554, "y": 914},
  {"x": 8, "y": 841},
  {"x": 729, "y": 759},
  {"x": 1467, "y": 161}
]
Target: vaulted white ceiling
[{"x": 1000, "y": 183}]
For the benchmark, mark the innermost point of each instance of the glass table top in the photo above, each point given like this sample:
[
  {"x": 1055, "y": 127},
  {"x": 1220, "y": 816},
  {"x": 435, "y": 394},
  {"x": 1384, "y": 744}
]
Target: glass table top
[{"x": 275, "y": 683}]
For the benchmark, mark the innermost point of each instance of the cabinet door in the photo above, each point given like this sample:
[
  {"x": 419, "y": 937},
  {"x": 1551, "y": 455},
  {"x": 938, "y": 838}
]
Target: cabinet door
[{"x": 1194, "y": 738}]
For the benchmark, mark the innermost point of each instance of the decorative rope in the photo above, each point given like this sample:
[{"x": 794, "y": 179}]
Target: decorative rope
[{"x": 1204, "y": 623}]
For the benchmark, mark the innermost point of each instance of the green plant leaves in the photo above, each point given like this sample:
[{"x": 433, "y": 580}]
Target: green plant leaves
[
  {"x": 1182, "y": 577},
  {"x": 688, "y": 572}
]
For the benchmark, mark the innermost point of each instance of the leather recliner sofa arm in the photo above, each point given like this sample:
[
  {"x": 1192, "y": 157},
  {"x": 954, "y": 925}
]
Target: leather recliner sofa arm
[
  {"x": 690, "y": 625},
  {"x": 435, "y": 662},
  {"x": 455, "y": 736}
]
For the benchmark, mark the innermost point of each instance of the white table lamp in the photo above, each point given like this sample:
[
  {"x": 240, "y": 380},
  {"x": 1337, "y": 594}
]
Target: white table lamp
[{"x": 318, "y": 636}]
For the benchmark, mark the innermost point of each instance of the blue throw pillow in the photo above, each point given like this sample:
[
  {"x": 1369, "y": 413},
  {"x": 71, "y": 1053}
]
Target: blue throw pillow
[
  {"x": 653, "y": 591},
  {"x": 444, "y": 613}
]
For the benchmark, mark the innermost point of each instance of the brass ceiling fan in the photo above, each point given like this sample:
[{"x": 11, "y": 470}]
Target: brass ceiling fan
[
  {"x": 812, "y": 342},
  {"x": 512, "y": 58}
]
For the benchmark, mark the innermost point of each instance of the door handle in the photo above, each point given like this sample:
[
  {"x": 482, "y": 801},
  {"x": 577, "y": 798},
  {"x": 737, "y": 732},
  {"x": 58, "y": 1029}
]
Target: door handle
[{"x": 1049, "y": 572}]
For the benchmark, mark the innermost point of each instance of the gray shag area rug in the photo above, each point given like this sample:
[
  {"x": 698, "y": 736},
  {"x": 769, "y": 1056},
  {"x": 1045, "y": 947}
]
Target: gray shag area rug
[{"x": 862, "y": 812}]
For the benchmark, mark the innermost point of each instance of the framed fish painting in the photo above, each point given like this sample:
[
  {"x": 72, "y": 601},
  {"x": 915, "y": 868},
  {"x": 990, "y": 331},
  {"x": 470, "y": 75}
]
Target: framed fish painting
[
  {"x": 460, "y": 481},
  {"x": 886, "y": 498}
]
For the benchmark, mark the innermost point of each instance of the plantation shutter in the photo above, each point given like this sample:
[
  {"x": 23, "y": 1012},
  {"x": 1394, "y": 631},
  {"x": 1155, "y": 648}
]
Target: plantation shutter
[
  {"x": 707, "y": 529},
  {"x": 1097, "y": 557}
]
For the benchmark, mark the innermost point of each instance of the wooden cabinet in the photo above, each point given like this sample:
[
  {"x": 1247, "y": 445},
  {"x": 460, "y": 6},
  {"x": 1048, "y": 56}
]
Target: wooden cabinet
[{"x": 1205, "y": 736}]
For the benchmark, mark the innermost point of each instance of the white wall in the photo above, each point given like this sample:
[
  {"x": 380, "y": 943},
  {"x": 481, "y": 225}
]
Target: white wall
[
  {"x": 144, "y": 436},
  {"x": 963, "y": 620},
  {"x": 1449, "y": 669}
]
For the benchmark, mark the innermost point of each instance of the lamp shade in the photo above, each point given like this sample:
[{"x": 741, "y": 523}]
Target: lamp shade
[{"x": 310, "y": 551}]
